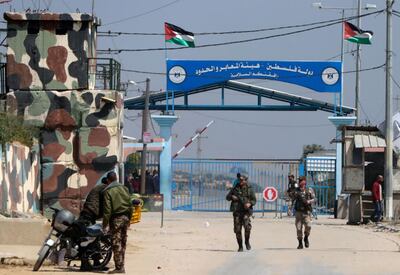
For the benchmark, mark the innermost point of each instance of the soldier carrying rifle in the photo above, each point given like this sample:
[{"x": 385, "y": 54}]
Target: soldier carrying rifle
[
  {"x": 242, "y": 199},
  {"x": 304, "y": 198}
]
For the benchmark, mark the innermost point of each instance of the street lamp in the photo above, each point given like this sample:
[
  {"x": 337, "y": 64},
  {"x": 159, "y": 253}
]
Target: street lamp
[{"x": 131, "y": 82}]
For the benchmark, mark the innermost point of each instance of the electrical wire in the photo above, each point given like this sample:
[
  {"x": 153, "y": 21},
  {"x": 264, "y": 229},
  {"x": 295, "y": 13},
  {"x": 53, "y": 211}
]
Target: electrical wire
[
  {"x": 363, "y": 110},
  {"x": 141, "y": 14},
  {"x": 245, "y": 31},
  {"x": 115, "y": 56},
  {"x": 225, "y": 43},
  {"x": 48, "y": 4},
  {"x": 348, "y": 52},
  {"x": 2, "y": 41},
  {"x": 396, "y": 14},
  {"x": 66, "y": 5},
  {"x": 134, "y": 119},
  {"x": 152, "y": 126},
  {"x": 34, "y": 5},
  {"x": 394, "y": 81}
]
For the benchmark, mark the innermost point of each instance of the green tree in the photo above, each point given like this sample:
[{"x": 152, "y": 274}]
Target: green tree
[
  {"x": 311, "y": 148},
  {"x": 132, "y": 163},
  {"x": 12, "y": 128}
]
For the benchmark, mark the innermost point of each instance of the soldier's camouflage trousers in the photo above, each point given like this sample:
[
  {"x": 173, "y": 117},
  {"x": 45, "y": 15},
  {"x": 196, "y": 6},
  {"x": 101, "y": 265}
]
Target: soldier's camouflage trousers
[
  {"x": 303, "y": 218},
  {"x": 119, "y": 227},
  {"x": 241, "y": 220}
]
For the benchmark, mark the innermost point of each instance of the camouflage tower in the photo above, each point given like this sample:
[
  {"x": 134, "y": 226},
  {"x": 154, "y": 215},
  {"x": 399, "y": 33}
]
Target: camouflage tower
[{"x": 51, "y": 73}]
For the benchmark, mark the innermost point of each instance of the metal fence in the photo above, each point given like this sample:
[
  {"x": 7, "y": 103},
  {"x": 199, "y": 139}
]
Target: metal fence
[
  {"x": 134, "y": 162},
  {"x": 105, "y": 72},
  {"x": 320, "y": 172},
  {"x": 201, "y": 185}
]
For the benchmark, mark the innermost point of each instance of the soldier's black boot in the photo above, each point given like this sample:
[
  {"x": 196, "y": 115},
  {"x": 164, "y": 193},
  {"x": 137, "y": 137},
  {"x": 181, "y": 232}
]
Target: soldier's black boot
[
  {"x": 300, "y": 246},
  {"x": 306, "y": 243},
  {"x": 85, "y": 265},
  {"x": 240, "y": 243},
  {"x": 247, "y": 241}
]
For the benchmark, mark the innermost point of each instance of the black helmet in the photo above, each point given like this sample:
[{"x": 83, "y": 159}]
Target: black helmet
[{"x": 63, "y": 220}]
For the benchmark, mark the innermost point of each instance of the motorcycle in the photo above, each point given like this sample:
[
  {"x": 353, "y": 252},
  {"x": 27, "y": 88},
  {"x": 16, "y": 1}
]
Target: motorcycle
[{"x": 70, "y": 240}]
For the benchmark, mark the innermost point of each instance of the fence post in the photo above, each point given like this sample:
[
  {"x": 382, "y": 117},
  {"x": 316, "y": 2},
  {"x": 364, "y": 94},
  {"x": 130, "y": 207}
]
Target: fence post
[
  {"x": 191, "y": 186},
  {"x": 263, "y": 207},
  {"x": 162, "y": 212}
]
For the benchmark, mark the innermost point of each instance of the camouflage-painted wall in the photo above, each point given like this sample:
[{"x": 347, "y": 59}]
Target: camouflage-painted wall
[
  {"x": 80, "y": 139},
  {"x": 49, "y": 51},
  {"x": 19, "y": 179}
]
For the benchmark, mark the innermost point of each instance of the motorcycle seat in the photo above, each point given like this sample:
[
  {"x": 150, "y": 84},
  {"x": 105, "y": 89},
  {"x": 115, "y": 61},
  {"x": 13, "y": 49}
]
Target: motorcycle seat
[{"x": 94, "y": 230}]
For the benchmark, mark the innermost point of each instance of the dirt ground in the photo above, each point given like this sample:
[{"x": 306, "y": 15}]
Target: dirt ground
[{"x": 204, "y": 243}]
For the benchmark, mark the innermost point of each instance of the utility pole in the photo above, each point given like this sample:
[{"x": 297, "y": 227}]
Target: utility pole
[
  {"x": 92, "y": 7},
  {"x": 358, "y": 67},
  {"x": 198, "y": 152},
  {"x": 389, "y": 123},
  {"x": 145, "y": 119}
]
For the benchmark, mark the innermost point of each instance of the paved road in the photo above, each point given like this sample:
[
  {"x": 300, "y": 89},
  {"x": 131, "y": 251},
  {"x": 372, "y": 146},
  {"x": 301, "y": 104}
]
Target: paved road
[{"x": 203, "y": 243}]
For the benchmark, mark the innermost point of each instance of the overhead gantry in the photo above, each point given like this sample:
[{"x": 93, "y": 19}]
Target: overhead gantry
[{"x": 289, "y": 102}]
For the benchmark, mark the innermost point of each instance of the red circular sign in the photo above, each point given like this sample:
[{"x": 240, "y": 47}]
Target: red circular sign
[{"x": 270, "y": 194}]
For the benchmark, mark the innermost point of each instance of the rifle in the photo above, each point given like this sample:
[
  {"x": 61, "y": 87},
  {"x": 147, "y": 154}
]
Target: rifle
[
  {"x": 241, "y": 201},
  {"x": 301, "y": 202}
]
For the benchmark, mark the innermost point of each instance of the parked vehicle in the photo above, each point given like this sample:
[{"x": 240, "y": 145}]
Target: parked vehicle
[{"x": 70, "y": 240}]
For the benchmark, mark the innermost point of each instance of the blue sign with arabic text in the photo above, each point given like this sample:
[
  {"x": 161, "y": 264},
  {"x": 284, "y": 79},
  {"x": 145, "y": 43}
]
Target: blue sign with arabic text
[{"x": 320, "y": 76}]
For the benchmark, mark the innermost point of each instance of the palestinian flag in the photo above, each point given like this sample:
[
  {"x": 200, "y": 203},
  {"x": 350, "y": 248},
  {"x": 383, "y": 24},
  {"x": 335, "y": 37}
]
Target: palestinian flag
[
  {"x": 356, "y": 35},
  {"x": 176, "y": 35}
]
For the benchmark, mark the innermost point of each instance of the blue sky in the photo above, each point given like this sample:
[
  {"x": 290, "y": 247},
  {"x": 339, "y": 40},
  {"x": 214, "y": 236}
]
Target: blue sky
[{"x": 243, "y": 134}]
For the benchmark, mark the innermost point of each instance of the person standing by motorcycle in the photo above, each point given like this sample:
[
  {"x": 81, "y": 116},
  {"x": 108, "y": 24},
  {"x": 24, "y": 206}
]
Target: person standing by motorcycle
[
  {"x": 93, "y": 206},
  {"x": 92, "y": 211},
  {"x": 117, "y": 213},
  {"x": 242, "y": 199},
  {"x": 304, "y": 198}
]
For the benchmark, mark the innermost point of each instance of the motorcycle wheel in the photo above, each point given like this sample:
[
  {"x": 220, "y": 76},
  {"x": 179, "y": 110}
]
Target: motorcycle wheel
[
  {"x": 43, "y": 253},
  {"x": 100, "y": 256}
]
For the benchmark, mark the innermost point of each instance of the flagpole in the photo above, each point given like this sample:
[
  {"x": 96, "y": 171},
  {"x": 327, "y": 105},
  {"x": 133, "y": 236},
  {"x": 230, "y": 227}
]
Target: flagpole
[
  {"x": 342, "y": 59},
  {"x": 166, "y": 79},
  {"x": 358, "y": 67},
  {"x": 178, "y": 36}
]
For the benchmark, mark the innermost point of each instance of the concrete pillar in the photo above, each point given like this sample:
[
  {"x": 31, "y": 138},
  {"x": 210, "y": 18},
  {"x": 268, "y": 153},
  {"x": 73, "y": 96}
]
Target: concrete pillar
[
  {"x": 339, "y": 122},
  {"x": 165, "y": 122},
  {"x": 355, "y": 209}
]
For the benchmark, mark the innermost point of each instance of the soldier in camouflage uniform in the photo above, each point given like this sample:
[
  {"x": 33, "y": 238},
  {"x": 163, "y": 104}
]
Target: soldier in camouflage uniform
[
  {"x": 242, "y": 199},
  {"x": 117, "y": 214},
  {"x": 304, "y": 197},
  {"x": 93, "y": 206}
]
